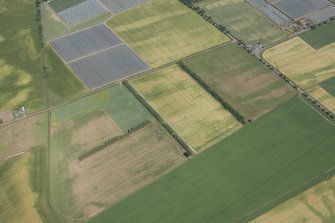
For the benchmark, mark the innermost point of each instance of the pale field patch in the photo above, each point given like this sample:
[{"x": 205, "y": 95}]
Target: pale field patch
[
  {"x": 316, "y": 205},
  {"x": 323, "y": 97},
  {"x": 302, "y": 63},
  {"x": 23, "y": 135},
  {"x": 188, "y": 108},
  {"x": 16, "y": 195}
]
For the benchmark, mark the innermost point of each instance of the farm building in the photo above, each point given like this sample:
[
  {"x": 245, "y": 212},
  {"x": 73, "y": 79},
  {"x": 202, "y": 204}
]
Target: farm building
[{"x": 315, "y": 10}]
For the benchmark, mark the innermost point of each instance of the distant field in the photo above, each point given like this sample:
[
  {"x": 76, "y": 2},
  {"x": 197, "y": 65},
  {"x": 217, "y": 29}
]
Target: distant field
[
  {"x": 320, "y": 37},
  {"x": 198, "y": 118},
  {"x": 303, "y": 64},
  {"x": 23, "y": 135},
  {"x": 80, "y": 189},
  {"x": 329, "y": 86},
  {"x": 63, "y": 84},
  {"x": 241, "y": 80},
  {"x": 243, "y": 21},
  {"x": 18, "y": 190},
  {"x": 162, "y": 31},
  {"x": 60, "y": 5},
  {"x": 316, "y": 205},
  {"x": 259, "y": 163},
  {"x": 323, "y": 96},
  {"x": 21, "y": 82}
]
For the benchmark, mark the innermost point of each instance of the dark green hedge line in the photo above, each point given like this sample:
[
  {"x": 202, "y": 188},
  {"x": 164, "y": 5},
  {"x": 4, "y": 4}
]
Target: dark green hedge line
[
  {"x": 215, "y": 95},
  {"x": 159, "y": 118},
  {"x": 112, "y": 140}
]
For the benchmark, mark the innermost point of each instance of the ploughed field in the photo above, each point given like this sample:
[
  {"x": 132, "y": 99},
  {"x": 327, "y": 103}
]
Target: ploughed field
[
  {"x": 240, "y": 177},
  {"x": 82, "y": 187},
  {"x": 249, "y": 86},
  {"x": 162, "y": 31}
]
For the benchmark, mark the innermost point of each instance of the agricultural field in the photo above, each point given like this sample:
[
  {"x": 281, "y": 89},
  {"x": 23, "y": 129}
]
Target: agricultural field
[
  {"x": 18, "y": 185},
  {"x": 247, "y": 85},
  {"x": 63, "y": 84},
  {"x": 81, "y": 188},
  {"x": 119, "y": 6},
  {"x": 308, "y": 60},
  {"x": 316, "y": 205},
  {"x": 21, "y": 81},
  {"x": 320, "y": 37},
  {"x": 228, "y": 182},
  {"x": 162, "y": 31},
  {"x": 198, "y": 118},
  {"x": 244, "y": 21},
  {"x": 23, "y": 135}
]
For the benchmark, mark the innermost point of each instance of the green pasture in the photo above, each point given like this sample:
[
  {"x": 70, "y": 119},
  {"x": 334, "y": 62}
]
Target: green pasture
[
  {"x": 326, "y": 31},
  {"x": 162, "y": 31},
  {"x": 244, "y": 21},
  {"x": 117, "y": 101},
  {"x": 329, "y": 86},
  {"x": 241, "y": 80},
  {"x": 260, "y": 163},
  {"x": 63, "y": 84}
]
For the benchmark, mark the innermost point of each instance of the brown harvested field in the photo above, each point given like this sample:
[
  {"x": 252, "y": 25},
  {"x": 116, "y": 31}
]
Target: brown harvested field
[
  {"x": 326, "y": 99},
  {"x": 81, "y": 189},
  {"x": 95, "y": 131},
  {"x": 23, "y": 135},
  {"x": 316, "y": 205},
  {"x": 123, "y": 168}
]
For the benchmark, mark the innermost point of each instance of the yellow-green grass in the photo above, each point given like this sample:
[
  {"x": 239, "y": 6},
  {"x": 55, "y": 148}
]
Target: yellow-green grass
[
  {"x": 162, "y": 31},
  {"x": 21, "y": 80},
  {"x": 316, "y": 205},
  {"x": 63, "y": 84},
  {"x": 81, "y": 189},
  {"x": 18, "y": 190},
  {"x": 243, "y": 21},
  {"x": 302, "y": 63},
  {"x": 323, "y": 96},
  {"x": 194, "y": 114},
  {"x": 23, "y": 135},
  {"x": 240, "y": 79}
]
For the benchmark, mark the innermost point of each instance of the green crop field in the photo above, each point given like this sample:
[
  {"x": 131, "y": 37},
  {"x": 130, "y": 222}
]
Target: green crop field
[
  {"x": 63, "y": 84},
  {"x": 162, "y": 31},
  {"x": 21, "y": 81},
  {"x": 243, "y": 21},
  {"x": 80, "y": 189},
  {"x": 261, "y": 162},
  {"x": 18, "y": 185},
  {"x": 249, "y": 86},
  {"x": 329, "y": 86},
  {"x": 316, "y": 204},
  {"x": 198, "y": 118},
  {"x": 60, "y": 5},
  {"x": 23, "y": 135},
  {"x": 320, "y": 37}
]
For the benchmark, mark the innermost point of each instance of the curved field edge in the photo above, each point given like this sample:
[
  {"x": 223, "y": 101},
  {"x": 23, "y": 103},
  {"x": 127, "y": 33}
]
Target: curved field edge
[
  {"x": 275, "y": 157},
  {"x": 163, "y": 31}
]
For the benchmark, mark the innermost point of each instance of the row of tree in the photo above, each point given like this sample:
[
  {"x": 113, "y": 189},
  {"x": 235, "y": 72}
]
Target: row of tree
[
  {"x": 158, "y": 117},
  {"x": 112, "y": 140},
  {"x": 38, "y": 19},
  {"x": 215, "y": 95}
]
